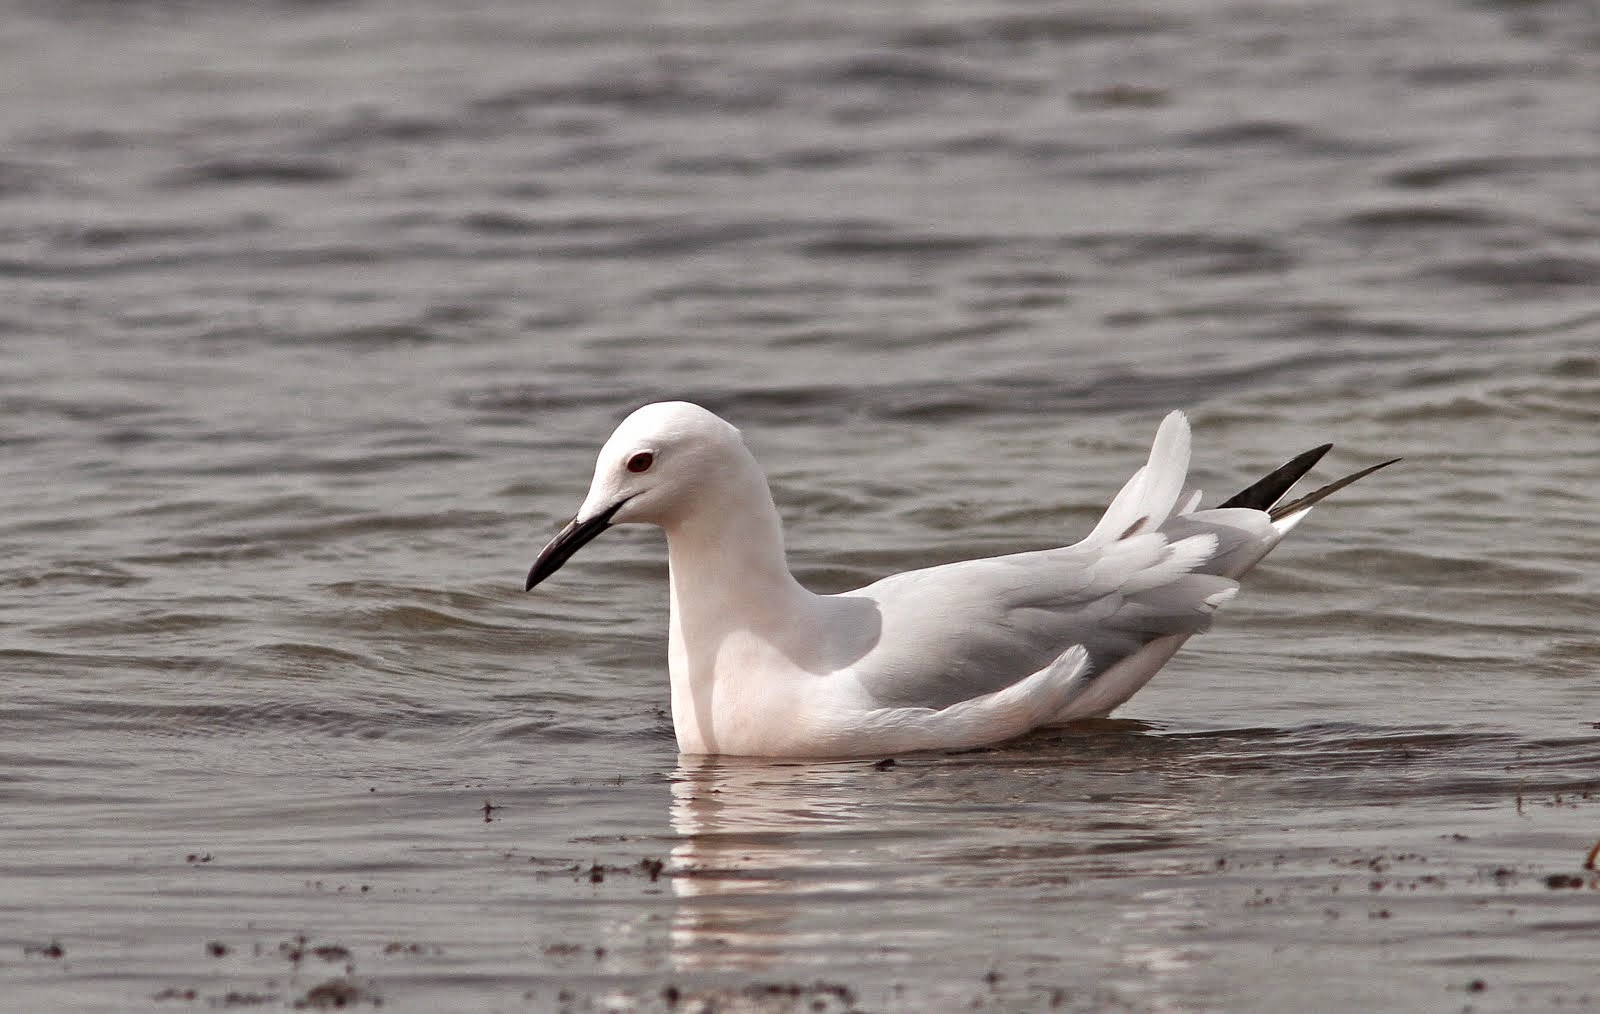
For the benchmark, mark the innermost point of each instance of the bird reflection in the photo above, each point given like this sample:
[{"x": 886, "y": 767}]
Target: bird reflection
[
  {"x": 764, "y": 848},
  {"x": 785, "y": 865}
]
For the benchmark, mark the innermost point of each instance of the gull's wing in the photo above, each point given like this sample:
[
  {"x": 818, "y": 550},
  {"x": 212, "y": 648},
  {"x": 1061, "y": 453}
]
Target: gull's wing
[
  {"x": 955, "y": 632},
  {"x": 1150, "y": 574},
  {"x": 966, "y": 629}
]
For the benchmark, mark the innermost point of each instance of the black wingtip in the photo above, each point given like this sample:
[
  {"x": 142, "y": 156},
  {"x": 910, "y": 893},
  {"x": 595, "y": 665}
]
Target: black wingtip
[
  {"x": 1269, "y": 489},
  {"x": 1295, "y": 506}
]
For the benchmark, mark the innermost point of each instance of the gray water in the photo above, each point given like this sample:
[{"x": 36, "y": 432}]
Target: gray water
[{"x": 314, "y": 315}]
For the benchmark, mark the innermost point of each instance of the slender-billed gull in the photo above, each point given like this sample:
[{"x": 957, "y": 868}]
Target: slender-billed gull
[{"x": 959, "y": 655}]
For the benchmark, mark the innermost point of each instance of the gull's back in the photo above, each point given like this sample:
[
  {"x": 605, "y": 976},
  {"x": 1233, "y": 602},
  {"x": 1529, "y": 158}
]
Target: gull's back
[
  {"x": 1153, "y": 572},
  {"x": 965, "y": 629}
]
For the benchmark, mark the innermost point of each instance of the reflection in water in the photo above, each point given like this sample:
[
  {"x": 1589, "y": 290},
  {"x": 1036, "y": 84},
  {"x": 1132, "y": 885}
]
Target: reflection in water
[
  {"x": 839, "y": 863},
  {"x": 762, "y": 843}
]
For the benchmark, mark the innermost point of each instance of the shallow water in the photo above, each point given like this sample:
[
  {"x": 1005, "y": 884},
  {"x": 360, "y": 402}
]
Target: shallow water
[{"x": 315, "y": 315}]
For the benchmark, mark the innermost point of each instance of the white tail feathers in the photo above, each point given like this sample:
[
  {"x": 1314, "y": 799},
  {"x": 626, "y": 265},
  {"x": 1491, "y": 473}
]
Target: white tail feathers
[{"x": 1153, "y": 491}]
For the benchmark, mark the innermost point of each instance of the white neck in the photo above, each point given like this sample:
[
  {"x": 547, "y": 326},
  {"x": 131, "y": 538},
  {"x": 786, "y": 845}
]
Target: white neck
[{"x": 732, "y": 596}]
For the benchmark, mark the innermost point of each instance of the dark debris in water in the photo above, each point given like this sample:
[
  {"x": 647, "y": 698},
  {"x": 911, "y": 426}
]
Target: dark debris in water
[
  {"x": 414, "y": 950},
  {"x": 234, "y": 998},
  {"x": 337, "y": 994},
  {"x": 332, "y": 952},
  {"x": 818, "y": 996},
  {"x": 175, "y": 994},
  {"x": 596, "y": 872},
  {"x": 53, "y": 949}
]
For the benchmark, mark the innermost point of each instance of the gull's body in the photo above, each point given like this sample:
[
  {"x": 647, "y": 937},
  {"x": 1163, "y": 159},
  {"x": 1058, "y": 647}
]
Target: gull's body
[{"x": 953, "y": 656}]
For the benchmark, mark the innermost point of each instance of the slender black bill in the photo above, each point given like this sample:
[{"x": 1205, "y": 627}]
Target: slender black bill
[{"x": 569, "y": 540}]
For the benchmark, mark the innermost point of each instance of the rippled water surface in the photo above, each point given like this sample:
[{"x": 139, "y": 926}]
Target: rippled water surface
[{"x": 315, "y": 313}]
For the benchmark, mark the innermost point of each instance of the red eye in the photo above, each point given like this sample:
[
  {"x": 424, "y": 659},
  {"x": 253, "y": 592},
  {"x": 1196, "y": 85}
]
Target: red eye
[{"x": 641, "y": 462}]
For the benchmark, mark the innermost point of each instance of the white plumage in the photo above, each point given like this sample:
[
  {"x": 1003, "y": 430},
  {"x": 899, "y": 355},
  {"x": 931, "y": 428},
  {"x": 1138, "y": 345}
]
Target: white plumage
[{"x": 958, "y": 655}]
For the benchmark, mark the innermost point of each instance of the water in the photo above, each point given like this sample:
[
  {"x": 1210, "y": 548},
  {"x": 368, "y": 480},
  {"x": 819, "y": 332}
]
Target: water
[{"x": 315, "y": 314}]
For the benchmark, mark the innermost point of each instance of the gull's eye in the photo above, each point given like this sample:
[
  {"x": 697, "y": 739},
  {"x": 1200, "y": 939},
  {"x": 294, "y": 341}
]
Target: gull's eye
[{"x": 641, "y": 462}]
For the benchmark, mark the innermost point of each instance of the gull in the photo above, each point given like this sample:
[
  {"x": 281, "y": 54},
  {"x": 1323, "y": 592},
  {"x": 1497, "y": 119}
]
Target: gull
[{"x": 954, "y": 656}]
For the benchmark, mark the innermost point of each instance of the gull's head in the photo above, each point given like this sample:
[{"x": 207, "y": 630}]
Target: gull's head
[{"x": 661, "y": 461}]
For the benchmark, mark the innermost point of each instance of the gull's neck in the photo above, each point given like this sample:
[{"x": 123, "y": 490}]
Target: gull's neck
[
  {"x": 736, "y": 611},
  {"x": 728, "y": 567}
]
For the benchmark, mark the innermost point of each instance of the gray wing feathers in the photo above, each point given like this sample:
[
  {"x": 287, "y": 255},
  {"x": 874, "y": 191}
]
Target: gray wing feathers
[
  {"x": 965, "y": 629},
  {"x": 955, "y": 632},
  {"x": 1150, "y": 574}
]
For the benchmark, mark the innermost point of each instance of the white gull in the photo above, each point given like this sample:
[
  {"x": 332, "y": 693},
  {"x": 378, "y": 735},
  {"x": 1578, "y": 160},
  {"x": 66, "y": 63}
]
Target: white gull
[{"x": 958, "y": 655}]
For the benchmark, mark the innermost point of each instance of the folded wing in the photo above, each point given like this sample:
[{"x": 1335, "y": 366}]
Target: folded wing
[{"x": 1150, "y": 574}]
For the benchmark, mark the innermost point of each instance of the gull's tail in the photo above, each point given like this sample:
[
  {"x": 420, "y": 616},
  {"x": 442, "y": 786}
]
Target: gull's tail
[
  {"x": 1151, "y": 495},
  {"x": 1256, "y": 538},
  {"x": 1156, "y": 491},
  {"x": 1240, "y": 536},
  {"x": 1300, "y": 506},
  {"x": 1264, "y": 493}
]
